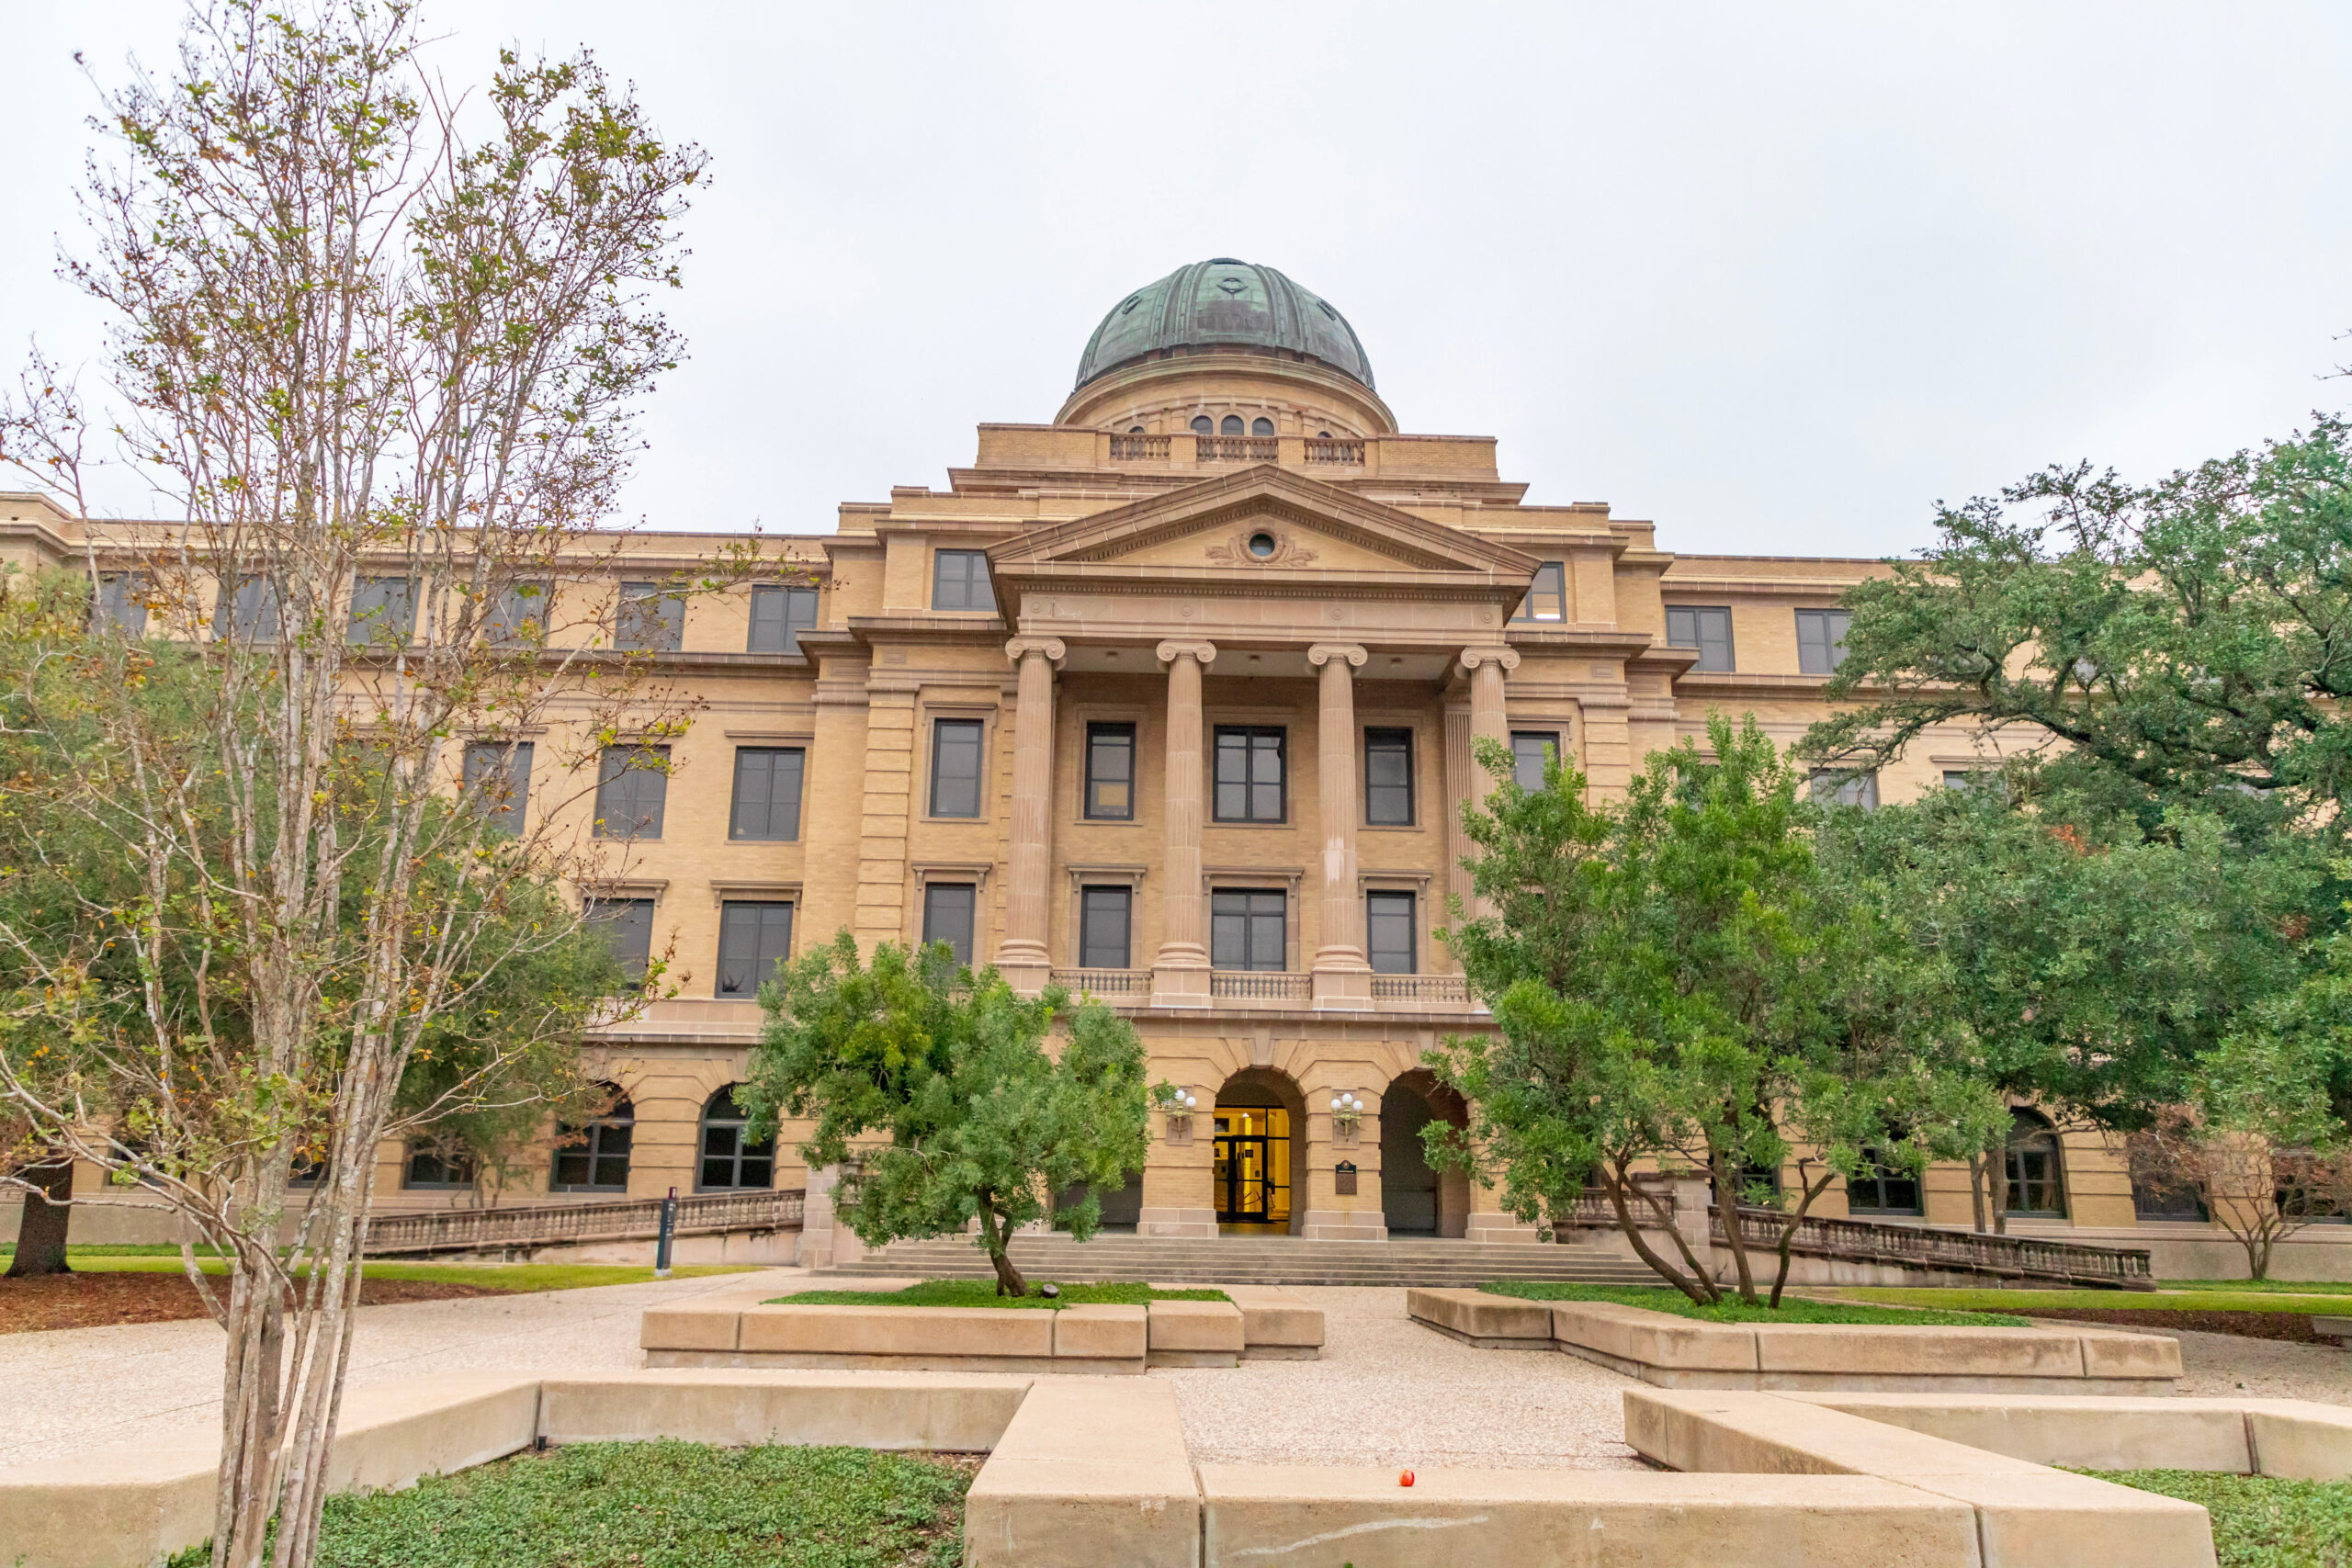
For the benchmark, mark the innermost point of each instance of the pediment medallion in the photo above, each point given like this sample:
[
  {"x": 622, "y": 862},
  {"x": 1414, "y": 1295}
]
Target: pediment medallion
[{"x": 1261, "y": 545}]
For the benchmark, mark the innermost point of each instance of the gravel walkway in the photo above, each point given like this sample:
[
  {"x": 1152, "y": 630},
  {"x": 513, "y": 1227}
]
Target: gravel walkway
[
  {"x": 77, "y": 1389},
  {"x": 2218, "y": 1365},
  {"x": 1390, "y": 1391}
]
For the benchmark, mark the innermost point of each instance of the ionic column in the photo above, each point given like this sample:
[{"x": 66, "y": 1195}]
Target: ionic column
[
  {"x": 1179, "y": 975},
  {"x": 1022, "y": 957},
  {"x": 1340, "y": 972}
]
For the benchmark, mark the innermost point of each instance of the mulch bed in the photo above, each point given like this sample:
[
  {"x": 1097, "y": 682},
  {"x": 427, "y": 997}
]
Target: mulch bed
[
  {"x": 100, "y": 1300},
  {"x": 2295, "y": 1326}
]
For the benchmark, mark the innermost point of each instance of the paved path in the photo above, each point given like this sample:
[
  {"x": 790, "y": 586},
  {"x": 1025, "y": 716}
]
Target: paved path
[
  {"x": 1388, "y": 1392},
  {"x": 76, "y": 1389}
]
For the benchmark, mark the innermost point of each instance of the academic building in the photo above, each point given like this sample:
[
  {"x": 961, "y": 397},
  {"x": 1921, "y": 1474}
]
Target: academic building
[{"x": 1171, "y": 698}]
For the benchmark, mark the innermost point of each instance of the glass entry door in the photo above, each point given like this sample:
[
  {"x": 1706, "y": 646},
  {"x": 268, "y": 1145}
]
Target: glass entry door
[{"x": 1251, "y": 1174}]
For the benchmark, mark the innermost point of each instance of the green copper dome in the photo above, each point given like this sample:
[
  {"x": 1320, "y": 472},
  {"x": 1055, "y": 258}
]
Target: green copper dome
[{"x": 1223, "y": 303}]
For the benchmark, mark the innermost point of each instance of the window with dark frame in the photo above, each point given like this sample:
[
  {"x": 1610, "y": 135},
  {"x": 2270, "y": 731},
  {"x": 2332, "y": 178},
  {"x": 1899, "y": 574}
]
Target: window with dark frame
[
  {"x": 1249, "y": 774},
  {"x": 1106, "y": 924},
  {"x": 2036, "y": 1185},
  {"x": 959, "y": 580},
  {"x": 435, "y": 1164},
  {"x": 647, "y": 620},
  {"x": 498, "y": 779},
  {"x": 780, "y": 613},
  {"x": 1204, "y": 426},
  {"x": 521, "y": 613},
  {"x": 593, "y": 1156},
  {"x": 1547, "y": 594},
  {"x": 253, "y": 609},
  {"x": 754, "y": 938},
  {"x": 631, "y": 789},
  {"x": 1704, "y": 627},
  {"x": 766, "y": 803},
  {"x": 1262, "y": 427},
  {"x": 956, "y": 767},
  {"x": 2177, "y": 1200},
  {"x": 628, "y": 927},
  {"x": 1831, "y": 787},
  {"x": 1530, "y": 751},
  {"x": 1111, "y": 772},
  {"x": 1883, "y": 1188},
  {"x": 1390, "y": 938},
  {"x": 383, "y": 612},
  {"x": 730, "y": 1163},
  {"x": 1821, "y": 641},
  {"x": 1248, "y": 929},
  {"x": 121, "y": 604},
  {"x": 1388, "y": 778},
  {"x": 1229, "y": 426},
  {"x": 948, "y": 908}
]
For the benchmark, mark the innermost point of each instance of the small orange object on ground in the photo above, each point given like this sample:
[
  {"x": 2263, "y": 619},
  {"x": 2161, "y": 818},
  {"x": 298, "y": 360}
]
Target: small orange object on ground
[{"x": 1406, "y": 1479}]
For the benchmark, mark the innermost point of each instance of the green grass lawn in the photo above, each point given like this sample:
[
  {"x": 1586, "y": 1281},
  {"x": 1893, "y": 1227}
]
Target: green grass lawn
[
  {"x": 2221, "y": 1296},
  {"x": 488, "y": 1276},
  {"x": 982, "y": 1293},
  {"x": 1659, "y": 1298},
  {"x": 2260, "y": 1521},
  {"x": 665, "y": 1505}
]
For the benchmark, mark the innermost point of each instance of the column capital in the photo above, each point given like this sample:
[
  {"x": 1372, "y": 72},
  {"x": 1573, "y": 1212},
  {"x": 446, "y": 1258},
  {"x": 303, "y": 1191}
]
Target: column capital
[
  {"x": 1052, "y": 648},
  {"x": 1322, "y": 653},
  {"x": 1506, "y": 658},
  {"x": 1174, "y": 650}
]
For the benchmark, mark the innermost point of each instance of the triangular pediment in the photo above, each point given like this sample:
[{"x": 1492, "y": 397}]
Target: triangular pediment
[{"x": 1265, "y": 521}]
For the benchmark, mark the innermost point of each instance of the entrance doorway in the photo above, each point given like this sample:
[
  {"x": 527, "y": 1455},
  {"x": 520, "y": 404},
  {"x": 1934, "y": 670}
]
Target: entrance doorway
[
  {"x": 1415, "y": 1199},
  {"x": 1252, "y": 1173}
]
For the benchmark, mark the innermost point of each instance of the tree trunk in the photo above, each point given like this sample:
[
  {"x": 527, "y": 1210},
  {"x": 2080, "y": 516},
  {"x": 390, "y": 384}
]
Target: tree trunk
[
  {"x": 1728, "y": 1204},
  {"x": 1976, "y": 1189},
  {"x": 1703, "y": 1290},
  {"x": 1789, "y": 1230},
  {"x": 999, "y": 1240},
  {"x": 40, "y": 1234}
]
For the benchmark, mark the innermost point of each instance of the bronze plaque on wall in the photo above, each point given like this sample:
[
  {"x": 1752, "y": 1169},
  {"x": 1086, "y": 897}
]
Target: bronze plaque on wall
[{"x": 1343, "y": 1178}]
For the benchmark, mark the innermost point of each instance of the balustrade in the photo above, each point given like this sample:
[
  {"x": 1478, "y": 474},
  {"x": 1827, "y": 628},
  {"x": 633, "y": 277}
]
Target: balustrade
[
  {"x": 1328, "y": 449},
  {"x": 1139, "y": 448},
  {"x": 1238, "y": 448},
  {"x": 1126, "y": 985},
  {"x": 546, "y": 1224},
  {"x": 1260, "y": 986}
]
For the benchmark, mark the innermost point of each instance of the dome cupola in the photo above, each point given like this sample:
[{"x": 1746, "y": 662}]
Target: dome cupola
[{"x": 1224, "y": 305}]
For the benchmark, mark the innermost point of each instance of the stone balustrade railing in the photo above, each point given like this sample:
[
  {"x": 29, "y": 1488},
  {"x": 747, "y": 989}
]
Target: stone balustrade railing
[{"x": 555, "y": 1224}]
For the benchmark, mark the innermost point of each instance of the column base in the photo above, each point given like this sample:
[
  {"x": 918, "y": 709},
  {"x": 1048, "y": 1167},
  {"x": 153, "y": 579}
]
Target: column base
[
  {"x": 1026, "y": 976},
  {"x": 1494, "y": 1227},
  {"x": 1179, "y": 986},
  {"x": 1344, "y": 1225},
  {"x": 1346, "y": 989},
  {"x": 1194, "y": 1224}
]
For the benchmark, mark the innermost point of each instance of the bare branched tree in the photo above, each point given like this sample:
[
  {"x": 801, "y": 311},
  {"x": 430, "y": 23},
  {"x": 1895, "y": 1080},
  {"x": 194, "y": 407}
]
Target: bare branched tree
[{"x": 377, "y": 347}]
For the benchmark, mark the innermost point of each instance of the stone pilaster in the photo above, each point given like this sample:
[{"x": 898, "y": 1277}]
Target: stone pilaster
[
  {"x": 1342, "y": 978},
  {"x": 1180, "y": 975},
  {"x": 1489, "y": 719},
  {"x": 1461, "y": 769},
  {"x": 1022, "y": 956}
]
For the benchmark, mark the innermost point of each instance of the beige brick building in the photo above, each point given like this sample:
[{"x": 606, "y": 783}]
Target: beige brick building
[{"x": 1172, "y": 698}]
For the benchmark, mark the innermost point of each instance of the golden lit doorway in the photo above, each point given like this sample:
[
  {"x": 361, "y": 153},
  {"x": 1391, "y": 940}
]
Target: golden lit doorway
[{"x": 1252, "y": 1173}]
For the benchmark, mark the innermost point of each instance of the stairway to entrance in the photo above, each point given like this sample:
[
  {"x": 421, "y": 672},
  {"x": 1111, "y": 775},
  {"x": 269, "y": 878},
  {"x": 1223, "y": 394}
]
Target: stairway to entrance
[{"x": 1259, "y": 1260}]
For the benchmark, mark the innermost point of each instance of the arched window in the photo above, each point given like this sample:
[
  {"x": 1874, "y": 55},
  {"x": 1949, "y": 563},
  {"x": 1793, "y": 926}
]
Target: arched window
[
  {"x": 2037, "y": 1177},
  {"x": 1262, "y": 427},
  {"x": 1322, "y": 435},
  {"x": 1232, "y": 426},
  {"x": 593, "y": 1157},
  {"x": 728, "y": 1163},
  {"x": 1204, "y": 426},
  {"x": 1134, "y": 430}
]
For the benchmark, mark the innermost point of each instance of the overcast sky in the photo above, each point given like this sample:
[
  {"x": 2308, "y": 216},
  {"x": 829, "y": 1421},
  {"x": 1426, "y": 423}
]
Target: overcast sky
[{"x": 1776, "y": 277}]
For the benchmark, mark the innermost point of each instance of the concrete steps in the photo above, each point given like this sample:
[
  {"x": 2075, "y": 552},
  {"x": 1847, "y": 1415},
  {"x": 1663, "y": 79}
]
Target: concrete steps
[{"x": 1260, "y": 1260}]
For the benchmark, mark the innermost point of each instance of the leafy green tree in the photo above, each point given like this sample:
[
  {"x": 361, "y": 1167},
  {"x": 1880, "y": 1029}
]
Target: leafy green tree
[
  {"x": 934, "y": 1087},
  {"x": 1674, "y": 984}
]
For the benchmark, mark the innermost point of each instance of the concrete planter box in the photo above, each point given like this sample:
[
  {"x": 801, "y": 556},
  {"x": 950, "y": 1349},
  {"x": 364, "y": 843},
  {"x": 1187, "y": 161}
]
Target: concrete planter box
[
  {"x": 745, "y": 1331},
  {"x": 1671, "y": 1351}
]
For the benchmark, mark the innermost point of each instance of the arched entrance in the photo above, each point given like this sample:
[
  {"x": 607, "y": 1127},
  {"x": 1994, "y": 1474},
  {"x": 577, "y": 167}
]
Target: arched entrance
[
  {"x": 1415, "y": 1198},
  {"x": 1261, "y": 1116}
]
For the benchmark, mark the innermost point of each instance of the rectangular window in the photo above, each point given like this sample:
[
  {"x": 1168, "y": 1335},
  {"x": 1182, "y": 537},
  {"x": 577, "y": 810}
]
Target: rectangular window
[
  {"x": 521, "y": 613},
  {"x": 383, "y": 611},
  {"x": 947, "y": 910},
  {"x": 2166, "y": 1201},
  {"x": 1547, "y": 594},
  {"x": 959, "y": 580},
  {"x": 1388, "y": 778},
  {"x": 1389, "y": 941},
  {"x": 1105, "y": 917},
  {"x": 1972, "y": 778},
  {"x": 498, "y": 779},
  {"x": 438, "y": 1165},
  {"x": 956, "y": 767},
  {"x": 646, "y": 620},
  {"x": 1708, "y": 629},
  {"x": 253, "y": 610},
  {"x": 1831, "y": 787},
  {"x": 1882, "y": 1189},
  {"x": 1248, "y": 929},
  {"x": 752, "y": 940},
  {"x": 630, "y": 791},
  {"x": 779, "y": 614},
  {"x": 1111, "y": 772},
  {"x": 628, "y": 926},
  {"x": 121, "y": 603},
  {"x": 1249, "y": 775},
  {"x": 767, "y": 793},
  {"x": 1821, "y": 641},
  {"x": 1530, "y": 751}
]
